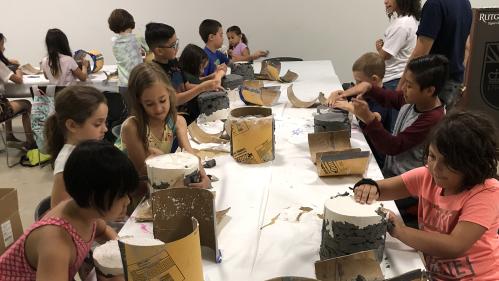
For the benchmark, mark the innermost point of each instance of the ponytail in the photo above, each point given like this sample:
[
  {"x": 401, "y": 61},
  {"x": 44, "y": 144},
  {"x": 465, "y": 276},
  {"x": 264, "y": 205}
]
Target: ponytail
[{"x": 244, "y": 38}]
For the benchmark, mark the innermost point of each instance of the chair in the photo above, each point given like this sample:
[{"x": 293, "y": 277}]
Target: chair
[
  {"x": 6, "y": 145},
  {"x": 283, "y": 59},
  {"x": 42, "y": 208}
]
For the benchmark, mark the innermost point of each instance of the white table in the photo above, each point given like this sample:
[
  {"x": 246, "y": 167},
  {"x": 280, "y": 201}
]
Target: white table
[
  {"x": 98, "y": 80},
  {"x": 257, "y": 193}
]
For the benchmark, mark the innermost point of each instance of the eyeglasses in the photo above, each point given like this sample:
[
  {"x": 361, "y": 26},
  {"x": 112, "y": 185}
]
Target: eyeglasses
[{"x": 172, "y": 46}]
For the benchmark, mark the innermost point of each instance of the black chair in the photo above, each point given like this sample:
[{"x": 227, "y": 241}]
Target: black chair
[
  {"x": 283, "y": 59},
  {"x": 42, "y": 208}
]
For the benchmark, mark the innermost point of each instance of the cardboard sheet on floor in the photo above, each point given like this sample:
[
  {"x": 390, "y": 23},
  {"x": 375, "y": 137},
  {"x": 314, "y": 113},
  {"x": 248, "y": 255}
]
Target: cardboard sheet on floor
[
  {"x": 177, "y": 260},
  {"x": 350, "y": 267},
  {"x": 171, "y": 209},
  {"x": 252, "y": 134},
  {"x": 254, "y": 92}
]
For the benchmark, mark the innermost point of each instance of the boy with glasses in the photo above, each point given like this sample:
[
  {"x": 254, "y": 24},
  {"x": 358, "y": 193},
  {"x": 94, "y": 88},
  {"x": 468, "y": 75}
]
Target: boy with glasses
[{"x": 163, "y": 42}]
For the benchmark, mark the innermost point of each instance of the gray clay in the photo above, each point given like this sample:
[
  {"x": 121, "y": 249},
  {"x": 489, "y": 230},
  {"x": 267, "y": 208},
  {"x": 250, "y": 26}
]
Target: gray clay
[
  {"x": 331, "y": 122},
  {"x": 211, "y": 102},
  {"x": 243, "y": 69},
  {"x": 232, "y": 81}
]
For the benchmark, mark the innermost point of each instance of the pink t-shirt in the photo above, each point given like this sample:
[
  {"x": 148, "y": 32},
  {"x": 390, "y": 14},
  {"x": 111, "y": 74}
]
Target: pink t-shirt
[
  {"x": 65, "y": 77},
  {"x": 239, "y": 48},
  {"x": 440, "y": 214}
]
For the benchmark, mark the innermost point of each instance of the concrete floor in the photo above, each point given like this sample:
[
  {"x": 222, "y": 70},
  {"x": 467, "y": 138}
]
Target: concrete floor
[{"x": 32, "y": 184}]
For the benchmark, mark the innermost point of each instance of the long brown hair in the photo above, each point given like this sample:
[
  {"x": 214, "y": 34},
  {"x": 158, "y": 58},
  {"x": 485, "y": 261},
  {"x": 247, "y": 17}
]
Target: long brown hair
[
  {"x": 144, "y": 76},
  {"x": 77, "y": 103}
]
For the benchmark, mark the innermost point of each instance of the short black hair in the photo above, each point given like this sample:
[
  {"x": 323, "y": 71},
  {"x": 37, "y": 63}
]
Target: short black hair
[
  {"x": 97, "y": 173},
  {"x": 158, "y": 33},
  {"x": 207, "y": 27},
  {"x": 120, "y": 20},
  {"x": 430, "y": 71},
  {"x": 468, "y": 141},
  {"x": 191, "y": 59}
]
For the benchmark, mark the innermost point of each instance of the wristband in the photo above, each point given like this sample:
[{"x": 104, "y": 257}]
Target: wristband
[{"x": 367, "y": 181}]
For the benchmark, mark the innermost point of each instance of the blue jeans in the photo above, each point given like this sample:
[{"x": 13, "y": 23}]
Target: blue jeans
[{"x": 392, "y": 85}]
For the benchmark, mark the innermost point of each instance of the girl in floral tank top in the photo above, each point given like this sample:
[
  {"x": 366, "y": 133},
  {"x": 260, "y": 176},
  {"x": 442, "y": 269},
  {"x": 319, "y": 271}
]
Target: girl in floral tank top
[{"x": 54, "y": 247}]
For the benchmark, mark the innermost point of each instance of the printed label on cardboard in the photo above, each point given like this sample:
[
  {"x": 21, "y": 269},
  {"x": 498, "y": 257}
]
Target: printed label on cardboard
[{"x": 7, "y": 233}]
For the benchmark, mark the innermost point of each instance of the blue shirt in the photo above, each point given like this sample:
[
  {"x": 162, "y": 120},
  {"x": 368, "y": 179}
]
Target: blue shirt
[
  {"x": 214, "y": 59},
  {"x": 448, "y": 23}
]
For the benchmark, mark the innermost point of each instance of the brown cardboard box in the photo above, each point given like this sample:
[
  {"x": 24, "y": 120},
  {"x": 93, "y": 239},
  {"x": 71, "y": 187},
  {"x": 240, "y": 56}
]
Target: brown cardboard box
[
  {"x": 482, "y": 72},
  {"x": 10, "y": 221},
  {"x": 333, "y": 155},
  {"x": 252, "y": 140}
]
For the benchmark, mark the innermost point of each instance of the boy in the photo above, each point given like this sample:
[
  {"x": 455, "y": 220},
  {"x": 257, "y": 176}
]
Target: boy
[
  {"x": 213, "y": 36},
  {"x": 163, "y": 42},
  {"x": 420, "y": 109},
  {"x": 126, "y": 46}
]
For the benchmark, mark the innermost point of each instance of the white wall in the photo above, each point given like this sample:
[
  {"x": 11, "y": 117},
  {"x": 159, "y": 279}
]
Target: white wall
[{"x": 318, "y": 29}]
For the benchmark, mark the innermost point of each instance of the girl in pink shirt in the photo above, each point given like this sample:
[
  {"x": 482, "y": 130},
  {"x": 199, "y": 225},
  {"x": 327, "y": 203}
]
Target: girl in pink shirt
[
  {"x": 99, "y": 178},
  {"x": 238, "y": 46},
  {"x": 458, "y": 210}
]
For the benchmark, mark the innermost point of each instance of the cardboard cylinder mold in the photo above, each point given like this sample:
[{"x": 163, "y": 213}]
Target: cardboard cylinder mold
[
  {"x": 172, "y": 170},
  {"x": 350, "y": 227},
  {"x": 178, "y": 259},
  {"x": 252, "y": 134}
]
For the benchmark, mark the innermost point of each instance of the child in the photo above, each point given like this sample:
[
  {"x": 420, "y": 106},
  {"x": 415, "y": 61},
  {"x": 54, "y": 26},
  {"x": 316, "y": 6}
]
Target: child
[
  {"x": 163, "y": 42},
  {"x": 154, "y": 125},
  {"x": 193, "y": 61},
  {"x": 399, "y": 39},
  {"x": 126, "y": 47},
  {"x": 99, "y": 179},
  {"x": 59, "y": 67},
  {"x": 80, "y": 114},
  {"x": 458, "y": 212},
  {"x": 211, "y": 33},
  {"x": 8, "y": 109},
  {"x": 420, "y": 109},
  {"x": 238, "y": 46}
]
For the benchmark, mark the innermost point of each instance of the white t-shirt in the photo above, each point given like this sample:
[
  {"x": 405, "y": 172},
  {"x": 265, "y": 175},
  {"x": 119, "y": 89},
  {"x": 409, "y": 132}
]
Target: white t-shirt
[
  {"x": 62, "y": 157},
  {"x": 68, "y": 65},
  {"x": 5, "y": 74},
  {"x": 399, "y": 41}
]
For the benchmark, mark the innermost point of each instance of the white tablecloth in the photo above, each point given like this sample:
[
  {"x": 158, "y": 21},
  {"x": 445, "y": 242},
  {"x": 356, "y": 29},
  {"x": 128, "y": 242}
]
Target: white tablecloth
[
  {"x": 258, "y": 193},
  {"x": 98, "y": 80}
]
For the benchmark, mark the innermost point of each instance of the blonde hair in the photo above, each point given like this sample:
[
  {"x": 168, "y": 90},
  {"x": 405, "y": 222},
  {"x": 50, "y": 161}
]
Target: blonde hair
[
  {"x": 144, "y": 76},
  {"x": 370, "y": 64}
]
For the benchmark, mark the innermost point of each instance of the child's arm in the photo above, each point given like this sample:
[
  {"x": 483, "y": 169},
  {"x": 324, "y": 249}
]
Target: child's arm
[
  {"x": 17, "y": 77},
  {"x": 361, "y": 88},
  {"x": 104, "y": 232},
  {"x": 82, "y": 73},
  {"x": 389, "y": 189},
  {"x": 184, "y": 143},
  {"x": 447, "y": 246},
  {"x": 210, "y": 85},
  {"x": 134, "y": 146},
  {"x": 59, "y": 193},
  {"x": 246, "y": 56},
  {"x": 54, "y": 251}
]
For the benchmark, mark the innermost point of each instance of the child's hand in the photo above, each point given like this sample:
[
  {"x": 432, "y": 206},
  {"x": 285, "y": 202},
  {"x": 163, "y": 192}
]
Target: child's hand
[
  {"x": 366, "y": 193},
  {"x": 222, "y": 67},
  {"x": 398, "y": 224},
  {"x": 212, "y": 85},
  {"x": 362, "y": 111},
  {"x": 379, "y": 44},
  {"x": 261, "y": 53},
  {"x": 344, "y": 104},
  {"x": 205, "y": 182},
  {"x": 333, "y": 97}
]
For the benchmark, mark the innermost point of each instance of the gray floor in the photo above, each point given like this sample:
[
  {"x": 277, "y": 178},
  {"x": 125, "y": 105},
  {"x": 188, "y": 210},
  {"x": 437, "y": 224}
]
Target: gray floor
[{"x": 32, "y": 184}]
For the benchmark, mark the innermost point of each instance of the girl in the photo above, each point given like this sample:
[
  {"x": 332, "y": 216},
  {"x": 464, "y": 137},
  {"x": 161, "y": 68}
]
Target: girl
[
  {"x": 80, "y": 114},
  {"x": 9, "y": 109},
  {"x": 458, "y": 212},
  {"x": 238, "y": 46},
  {"x": 154, "y": 124},
  {"x": 99, "y": 178},
  {"x": 193, "y": 61},
  {"x": 399, "y": 39},
  {"x": 59, "y": 67}
]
